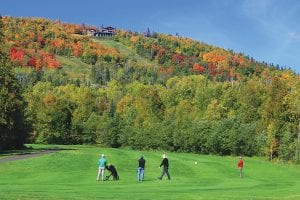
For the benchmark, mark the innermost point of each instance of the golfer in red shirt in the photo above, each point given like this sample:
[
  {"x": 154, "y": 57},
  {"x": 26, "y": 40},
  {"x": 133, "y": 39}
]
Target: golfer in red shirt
[{"x": 240, "y": 166}]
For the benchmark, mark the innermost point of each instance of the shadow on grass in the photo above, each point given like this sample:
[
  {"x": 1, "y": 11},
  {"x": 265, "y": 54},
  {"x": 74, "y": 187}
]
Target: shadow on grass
[
  {"x": 13, "y": 155},
  {"x": 30, "y": 150},
  {"x": 150, "y": 179}
]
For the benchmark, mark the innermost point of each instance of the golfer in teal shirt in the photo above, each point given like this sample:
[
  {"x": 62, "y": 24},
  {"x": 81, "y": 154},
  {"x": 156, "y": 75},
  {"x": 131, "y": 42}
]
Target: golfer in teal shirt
[{"x": 101, "y": 163}]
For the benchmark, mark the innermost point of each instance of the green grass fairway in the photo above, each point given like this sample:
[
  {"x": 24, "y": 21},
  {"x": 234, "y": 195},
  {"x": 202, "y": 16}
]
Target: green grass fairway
[
  {"x": 128, "y": 52},
  {"x": 71, "y": 174},
  {"x": 74, "y": 67}
]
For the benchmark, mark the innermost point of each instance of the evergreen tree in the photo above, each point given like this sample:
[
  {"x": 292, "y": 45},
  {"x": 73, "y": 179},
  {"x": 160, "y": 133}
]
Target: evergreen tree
[{"x": 13, "y": 127}]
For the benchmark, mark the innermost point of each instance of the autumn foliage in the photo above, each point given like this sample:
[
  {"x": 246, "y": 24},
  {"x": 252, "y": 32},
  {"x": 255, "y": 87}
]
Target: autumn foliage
[
  {"x": 189, "y": 57},
  {"x": 198, "y": 68},
  {"x": 168, "y": 92},
  {"x": 17, "y": 56},
  {"x": 35, "y": 42}
]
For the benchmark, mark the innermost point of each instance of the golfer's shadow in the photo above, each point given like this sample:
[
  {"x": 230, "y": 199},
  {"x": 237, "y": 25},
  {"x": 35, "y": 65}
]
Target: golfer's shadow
[
  {"x": 106, "y": 180},
  {"x": 148, "y": 179}
]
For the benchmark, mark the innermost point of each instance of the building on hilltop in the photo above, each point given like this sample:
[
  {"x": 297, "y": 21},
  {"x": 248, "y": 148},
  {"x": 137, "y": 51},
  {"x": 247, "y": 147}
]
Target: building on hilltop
[
  {"x": 147, "y": 33},
  {"x": 106, "y": 31},
  {"x": 101, "y": 32},
  {"x": 91, "y": 31}
]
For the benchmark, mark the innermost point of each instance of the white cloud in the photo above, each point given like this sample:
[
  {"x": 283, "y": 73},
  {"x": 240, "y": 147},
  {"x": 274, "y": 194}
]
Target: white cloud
[{"x": 294, "y": 36}]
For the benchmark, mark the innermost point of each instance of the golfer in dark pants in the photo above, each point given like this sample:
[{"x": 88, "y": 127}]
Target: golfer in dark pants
[{"x": 165, "y": 164}]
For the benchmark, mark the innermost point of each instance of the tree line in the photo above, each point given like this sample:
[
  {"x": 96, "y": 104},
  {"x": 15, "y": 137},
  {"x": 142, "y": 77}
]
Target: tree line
[
  {"x": 189, "y": 114},
  {"x": 190, "y": 97}
]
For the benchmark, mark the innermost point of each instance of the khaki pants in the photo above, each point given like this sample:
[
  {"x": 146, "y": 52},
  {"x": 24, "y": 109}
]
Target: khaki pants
[{"x": 101, "y": 173}]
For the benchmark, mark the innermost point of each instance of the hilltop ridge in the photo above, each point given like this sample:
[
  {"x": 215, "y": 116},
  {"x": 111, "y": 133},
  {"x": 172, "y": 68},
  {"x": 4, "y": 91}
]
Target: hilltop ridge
[{"x": 37, "y": 42}]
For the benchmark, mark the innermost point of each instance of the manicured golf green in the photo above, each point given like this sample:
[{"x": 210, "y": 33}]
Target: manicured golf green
[{"x": 71, "y": 174}]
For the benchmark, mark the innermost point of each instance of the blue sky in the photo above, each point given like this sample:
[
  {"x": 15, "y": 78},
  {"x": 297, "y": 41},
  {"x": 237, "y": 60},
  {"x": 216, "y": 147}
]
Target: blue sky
[{"x": 267, "y": 30}]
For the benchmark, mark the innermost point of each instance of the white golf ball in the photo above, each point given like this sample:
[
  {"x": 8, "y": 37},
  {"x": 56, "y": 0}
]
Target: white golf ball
[{"x": 196, "y": 163}]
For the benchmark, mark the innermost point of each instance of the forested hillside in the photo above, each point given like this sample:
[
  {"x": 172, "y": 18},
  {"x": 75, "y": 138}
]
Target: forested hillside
[{"x": 147, "y": 92}]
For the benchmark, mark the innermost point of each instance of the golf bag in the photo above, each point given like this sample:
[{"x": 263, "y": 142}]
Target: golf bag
[{"x": 113, "y": 173}]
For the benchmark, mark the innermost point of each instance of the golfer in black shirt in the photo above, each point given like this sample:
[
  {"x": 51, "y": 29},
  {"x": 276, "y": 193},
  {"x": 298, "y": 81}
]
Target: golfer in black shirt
[
  {"x": 141, "y": 169},
  {"x": 165, "y": 164}
]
